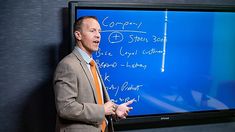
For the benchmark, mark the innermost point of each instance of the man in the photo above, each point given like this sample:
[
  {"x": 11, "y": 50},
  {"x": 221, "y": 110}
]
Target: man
[{"x": 82, "y": 102}]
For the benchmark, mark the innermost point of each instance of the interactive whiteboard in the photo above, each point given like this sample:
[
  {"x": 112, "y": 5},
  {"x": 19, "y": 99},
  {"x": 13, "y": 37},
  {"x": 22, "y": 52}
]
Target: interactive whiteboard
[{"x": 167, "y": 61}]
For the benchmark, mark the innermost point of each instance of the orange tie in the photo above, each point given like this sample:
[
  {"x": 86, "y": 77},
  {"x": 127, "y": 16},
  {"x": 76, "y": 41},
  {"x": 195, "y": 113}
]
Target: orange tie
[{"x": 97, "y": 86}]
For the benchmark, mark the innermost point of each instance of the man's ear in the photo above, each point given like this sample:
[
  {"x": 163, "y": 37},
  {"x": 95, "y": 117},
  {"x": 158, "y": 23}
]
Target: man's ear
[{"x": 78, "y": 35}]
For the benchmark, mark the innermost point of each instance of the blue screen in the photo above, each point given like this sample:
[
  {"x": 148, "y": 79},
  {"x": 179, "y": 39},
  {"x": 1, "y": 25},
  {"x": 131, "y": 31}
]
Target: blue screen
[{"x": 167, "y": 61}]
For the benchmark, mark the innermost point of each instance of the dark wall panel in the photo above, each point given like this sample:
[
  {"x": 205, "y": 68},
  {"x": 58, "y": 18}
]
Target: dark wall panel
[{"x": 31, "y": 37}]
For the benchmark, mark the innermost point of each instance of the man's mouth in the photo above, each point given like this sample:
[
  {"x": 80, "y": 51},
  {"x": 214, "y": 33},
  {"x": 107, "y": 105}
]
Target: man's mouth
[{"x": 96, "y": 41}]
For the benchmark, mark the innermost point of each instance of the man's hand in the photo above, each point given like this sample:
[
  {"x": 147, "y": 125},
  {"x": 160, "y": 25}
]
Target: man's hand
[
  {"x": 122, "y": 110},
  {"x": 109, "y": 108}
]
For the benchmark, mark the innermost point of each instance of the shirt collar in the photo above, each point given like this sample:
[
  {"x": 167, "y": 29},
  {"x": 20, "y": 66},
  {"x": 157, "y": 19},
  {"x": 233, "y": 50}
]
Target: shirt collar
[{"x": 84, "y": 55}]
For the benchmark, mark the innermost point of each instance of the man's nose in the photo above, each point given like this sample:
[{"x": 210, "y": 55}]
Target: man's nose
[{"x": 98, "y": 34}]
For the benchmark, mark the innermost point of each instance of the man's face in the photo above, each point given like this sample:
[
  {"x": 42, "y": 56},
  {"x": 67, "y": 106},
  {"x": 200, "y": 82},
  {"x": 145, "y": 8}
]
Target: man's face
[{"x": 89, "y": 36}]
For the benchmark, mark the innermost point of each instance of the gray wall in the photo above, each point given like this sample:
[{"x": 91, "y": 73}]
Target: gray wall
[{"x": 33, "y": 38}]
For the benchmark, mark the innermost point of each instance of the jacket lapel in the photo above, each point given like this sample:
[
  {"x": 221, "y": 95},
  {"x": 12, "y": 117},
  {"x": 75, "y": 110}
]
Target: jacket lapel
[{"x": 86, "y": 71}]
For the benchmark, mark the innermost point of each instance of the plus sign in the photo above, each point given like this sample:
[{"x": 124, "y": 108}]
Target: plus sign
[{"x": 116, "y": 36}]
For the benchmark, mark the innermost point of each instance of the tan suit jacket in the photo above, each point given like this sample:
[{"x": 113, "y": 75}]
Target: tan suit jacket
[{"x": 75, "y": 97}]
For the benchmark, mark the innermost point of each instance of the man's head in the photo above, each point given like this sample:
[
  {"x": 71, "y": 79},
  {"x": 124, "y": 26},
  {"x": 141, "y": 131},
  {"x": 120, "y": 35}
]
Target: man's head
[{"x": 87, "y": 33}]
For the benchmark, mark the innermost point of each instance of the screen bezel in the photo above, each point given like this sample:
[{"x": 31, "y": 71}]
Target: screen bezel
[{"x": 159, "y": 120}]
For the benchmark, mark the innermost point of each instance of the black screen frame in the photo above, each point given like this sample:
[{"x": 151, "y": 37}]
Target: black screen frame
[{"x": 164, "y": 120}]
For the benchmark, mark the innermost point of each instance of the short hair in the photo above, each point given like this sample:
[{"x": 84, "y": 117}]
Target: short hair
[{"x": 78, "y": 22}]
